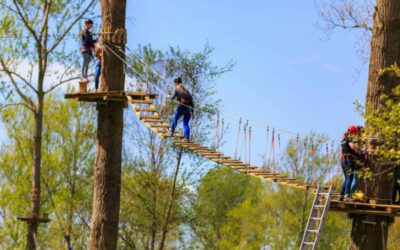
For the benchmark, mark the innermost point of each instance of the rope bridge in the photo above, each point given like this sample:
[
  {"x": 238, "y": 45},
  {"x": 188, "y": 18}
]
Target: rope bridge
[{"x": 145, "y": 109}]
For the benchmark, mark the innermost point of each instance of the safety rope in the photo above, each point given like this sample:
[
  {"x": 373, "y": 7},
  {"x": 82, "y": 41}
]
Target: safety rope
[
  {"x": 216, "y": 134},
  {"x": 230, "y": 113},
  {"x": 222, "y": 134},
  {"x": 266, "y": 148},
  {"x": 250, "y": 146},
  {"x": 237, "y": 138},
  {"x": 296, "y": 148},
  {"x": 197, "y": 127},
  {"x": 328, "y": 163},
  {"x": 245, "y": 140},
  {"x": 272, "y": 152},
  {"x": 313, "y": 162}
]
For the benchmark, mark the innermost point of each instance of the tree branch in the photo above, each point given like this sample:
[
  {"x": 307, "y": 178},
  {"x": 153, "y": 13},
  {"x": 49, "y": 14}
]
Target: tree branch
[
  {"x": 21, "y": 78},
  {"x": 58, "y": 41},
  {"x": 13, "y": 105},
  {"x": 48, "y": 4},
  {"x": 62, "y": 82},
  {"x": 25, "y": 21},
  {"x": 22, "y": 95}
]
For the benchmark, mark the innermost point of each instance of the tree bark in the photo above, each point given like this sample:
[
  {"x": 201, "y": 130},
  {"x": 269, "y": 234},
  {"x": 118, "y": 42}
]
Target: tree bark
[
  {"x": 35, "y": 192},
  {"x": 107, "y": 170},
  {"x": 371, "y": 232}
]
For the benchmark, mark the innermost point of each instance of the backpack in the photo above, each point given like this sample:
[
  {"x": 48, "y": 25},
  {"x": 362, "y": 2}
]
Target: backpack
[{"x": 186, "y": 98}]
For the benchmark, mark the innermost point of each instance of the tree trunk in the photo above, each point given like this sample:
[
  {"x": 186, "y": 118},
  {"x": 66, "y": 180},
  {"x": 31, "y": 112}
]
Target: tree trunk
[
  {"x": 170, "y": 202},
  {"x": 35, "y": 192},
  {"x": 107, "y": 170},
  {"x": 371, "y": 232}
]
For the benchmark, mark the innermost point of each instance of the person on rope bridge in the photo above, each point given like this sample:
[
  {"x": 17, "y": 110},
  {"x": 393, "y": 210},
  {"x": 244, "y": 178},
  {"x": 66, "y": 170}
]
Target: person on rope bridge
[
  {"x": 98, "y": 54},
  {"x": 87, "y": 47},
  {"x": 349, "y": 155},
  {"x": 185, "y": 108}
]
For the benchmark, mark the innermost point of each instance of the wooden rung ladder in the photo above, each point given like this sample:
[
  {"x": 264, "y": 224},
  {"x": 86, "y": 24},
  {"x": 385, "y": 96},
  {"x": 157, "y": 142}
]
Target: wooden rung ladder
[{"x": 315, "y": 223}]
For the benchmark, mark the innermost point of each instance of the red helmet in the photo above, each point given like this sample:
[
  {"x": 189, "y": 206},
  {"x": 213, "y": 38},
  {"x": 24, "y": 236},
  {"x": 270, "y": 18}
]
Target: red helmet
[{"x": 352, "y": 129}]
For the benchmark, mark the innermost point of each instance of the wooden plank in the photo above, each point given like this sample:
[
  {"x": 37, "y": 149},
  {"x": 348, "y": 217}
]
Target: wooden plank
[
  {"x": 218, "y": 157},
  {"x": 160, "y": 125},
  {"x": 231, "y": 161},
  {"x": 148, "y": 116},
  {"x": 152, "y": 110},
  {"x": 363, "y": 211},
  {"x": 141, "y": 101},
  {"x": 152, "y": 120}
]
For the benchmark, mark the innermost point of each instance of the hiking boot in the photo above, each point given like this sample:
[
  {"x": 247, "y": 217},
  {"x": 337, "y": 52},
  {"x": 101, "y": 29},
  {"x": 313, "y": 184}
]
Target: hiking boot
[{"x": 186, "y": 140}]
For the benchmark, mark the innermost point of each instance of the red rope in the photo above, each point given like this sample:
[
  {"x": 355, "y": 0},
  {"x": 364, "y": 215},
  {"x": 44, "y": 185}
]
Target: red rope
[
  {"x": 215, "y": 144},
  {"x": 328, "y": 164},
  {"x": 272, "y": 151},
  {"x": 197, "y": 128},
  {"x": 249, "y": 145},
  {"x": 266, "y": 148},
  {"x": 245, "y": 141},
  {"x": 237, "y": 138},
  {"x": 313, "y": 162},
  {"x": 295, "y": 156},
  {"x": 222, "y": 133}
]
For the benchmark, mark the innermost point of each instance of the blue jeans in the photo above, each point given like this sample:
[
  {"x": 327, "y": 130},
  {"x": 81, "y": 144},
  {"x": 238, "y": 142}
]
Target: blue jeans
[
  {"x": 348, "y": 171},
  {"x": 97, "y": 71},
  {"x": 85, "y": 65},
  {"x": 185, "y": 112},
  {"x": 354, "y": 182}
]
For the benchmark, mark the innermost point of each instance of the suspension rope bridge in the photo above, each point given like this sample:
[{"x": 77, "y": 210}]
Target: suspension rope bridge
[{"x": 143, "y": 104}]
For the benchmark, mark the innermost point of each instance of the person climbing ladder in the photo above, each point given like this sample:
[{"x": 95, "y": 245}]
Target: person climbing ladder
[
  {"x": 185, "y": 108},
  {"x": 88, "y": 45}
]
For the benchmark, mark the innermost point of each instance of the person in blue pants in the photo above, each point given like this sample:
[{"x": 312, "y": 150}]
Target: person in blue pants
[
  {"x": 98, "y": 55},
  {"x": 185, "y": 108},
  {"x": 349, "y": 155}
]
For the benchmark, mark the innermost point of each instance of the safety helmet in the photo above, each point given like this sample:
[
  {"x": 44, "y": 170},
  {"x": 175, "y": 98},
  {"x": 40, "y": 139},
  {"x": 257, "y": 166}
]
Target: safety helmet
[
  {"x": 352, "y": 129},
  {"x": 89, "y": 21}
]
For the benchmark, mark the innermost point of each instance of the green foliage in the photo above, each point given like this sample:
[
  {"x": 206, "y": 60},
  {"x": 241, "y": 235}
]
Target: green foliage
[
  {"x": 235, "y": 211},
  {"x": 68, "y": 154},
  {"x": 220, "y": 191},
  {"x": 143, "y": 208},
  {"x": 385, "y": 123}
]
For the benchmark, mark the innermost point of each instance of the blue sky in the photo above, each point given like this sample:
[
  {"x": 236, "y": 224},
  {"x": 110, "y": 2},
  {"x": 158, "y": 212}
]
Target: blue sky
[{"x": 287, "y": 74}]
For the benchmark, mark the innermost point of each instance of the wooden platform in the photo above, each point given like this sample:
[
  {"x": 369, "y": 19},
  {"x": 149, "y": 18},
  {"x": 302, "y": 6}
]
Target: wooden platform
[
  {"x": 28, "y": 219},
  {"x": 365, "y": 208},
  {"x": 111, "y": 96}
]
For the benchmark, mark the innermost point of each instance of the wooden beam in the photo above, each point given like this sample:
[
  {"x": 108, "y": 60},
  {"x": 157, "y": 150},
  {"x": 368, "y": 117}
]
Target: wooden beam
[{"x": 152, "y": 110}]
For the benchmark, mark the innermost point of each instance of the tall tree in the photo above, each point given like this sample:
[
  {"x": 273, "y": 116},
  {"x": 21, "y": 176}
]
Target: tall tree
[
  {"x": 67, "y": 161},
  {"x": 152, "y": 191},
  {"x": 35, "y": 33},
  {"x": 107, "y": 170},
  {"x": 385, "y": 51}
]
